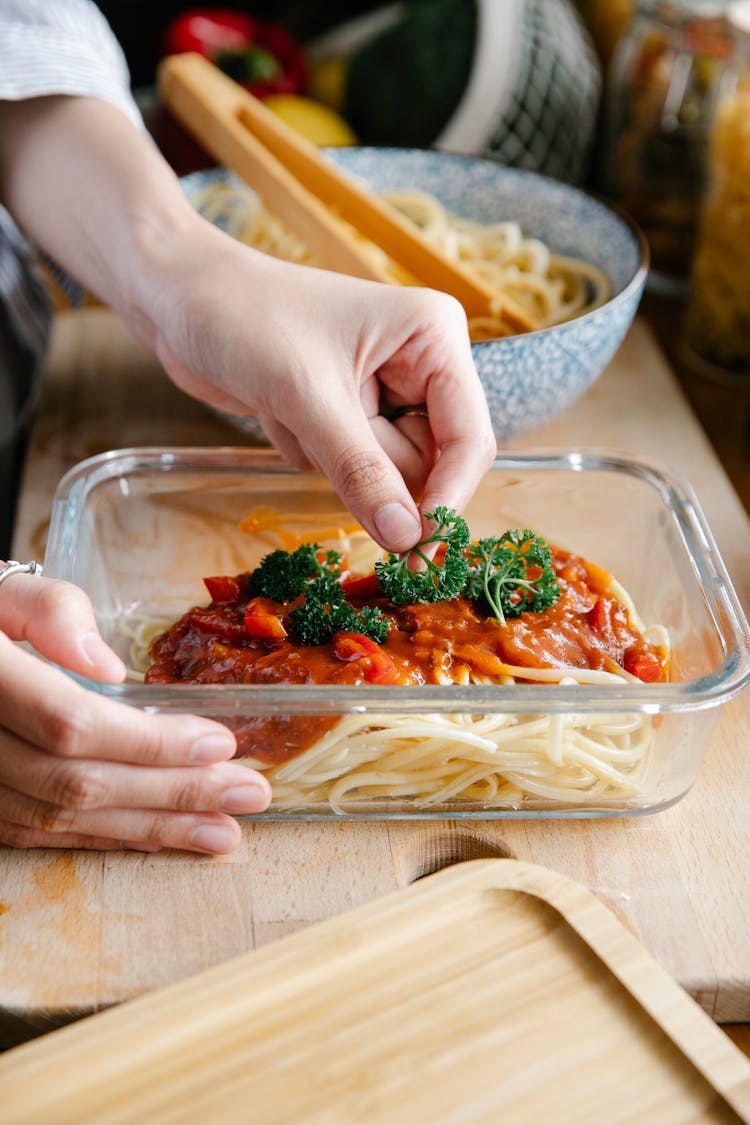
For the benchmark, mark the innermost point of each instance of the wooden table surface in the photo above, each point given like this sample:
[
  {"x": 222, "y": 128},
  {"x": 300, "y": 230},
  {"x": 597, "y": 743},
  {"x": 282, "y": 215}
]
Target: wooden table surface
[{"x": 80, "y": 931}]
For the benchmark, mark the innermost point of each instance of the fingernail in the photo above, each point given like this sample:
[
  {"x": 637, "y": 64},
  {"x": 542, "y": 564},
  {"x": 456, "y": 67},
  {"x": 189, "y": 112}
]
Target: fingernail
[
  {"x": 100, "y": 655},
  {"x": 243, "y": 798},
  {"x": 397, "y": 528},
  {"x": 213, "y": 838},
  {"x": 215, "y": 747}
]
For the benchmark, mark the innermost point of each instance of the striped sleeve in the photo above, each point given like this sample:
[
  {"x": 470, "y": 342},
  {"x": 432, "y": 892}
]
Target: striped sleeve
[
  {"x": 61, "y": 47},
  {"x": 22, "y": 294}
]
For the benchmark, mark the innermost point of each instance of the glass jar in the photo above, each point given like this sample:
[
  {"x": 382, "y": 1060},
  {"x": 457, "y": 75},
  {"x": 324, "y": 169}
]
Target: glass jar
[
  {"x": 606, "y": 21},
  {"x": 673, "y": 66},
  {"x": 718, "y": 311}
]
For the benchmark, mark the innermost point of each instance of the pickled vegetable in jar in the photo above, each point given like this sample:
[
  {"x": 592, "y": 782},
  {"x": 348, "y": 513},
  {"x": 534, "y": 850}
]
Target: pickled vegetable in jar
[
  {"x": 718, "y": 311},
  {"x": 668, "y": 75}
]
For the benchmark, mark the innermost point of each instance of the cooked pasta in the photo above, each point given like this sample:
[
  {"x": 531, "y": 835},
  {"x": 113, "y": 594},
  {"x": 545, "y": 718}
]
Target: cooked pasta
[
  {"x": 549, "y": 287},
  {"x": 491, "y": 760}
]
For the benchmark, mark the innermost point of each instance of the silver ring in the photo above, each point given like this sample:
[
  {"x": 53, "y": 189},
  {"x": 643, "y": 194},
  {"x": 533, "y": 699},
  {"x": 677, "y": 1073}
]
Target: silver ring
[
  {"x": 13, "y": 567},
  {"x": 418, "y": 410}
]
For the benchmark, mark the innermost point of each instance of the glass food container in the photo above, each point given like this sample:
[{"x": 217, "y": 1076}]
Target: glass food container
[
  {"x": 139, "y": 529},
  {"x": 668, "y": 74}
]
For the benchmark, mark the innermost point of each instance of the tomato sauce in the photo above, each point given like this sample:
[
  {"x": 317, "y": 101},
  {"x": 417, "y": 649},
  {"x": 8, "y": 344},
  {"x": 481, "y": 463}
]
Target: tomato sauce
[{"x": 586, "y": 628}]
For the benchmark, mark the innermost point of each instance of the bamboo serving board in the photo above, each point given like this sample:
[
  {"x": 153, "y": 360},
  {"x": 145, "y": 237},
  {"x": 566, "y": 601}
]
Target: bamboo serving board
[{"x": 495, "y": 990}]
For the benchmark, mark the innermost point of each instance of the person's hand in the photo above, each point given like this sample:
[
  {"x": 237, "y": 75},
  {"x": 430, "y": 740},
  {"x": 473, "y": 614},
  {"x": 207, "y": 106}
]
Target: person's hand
[
  {"x": 78, "y": 770},
  {"x": 327, "y": 361}
]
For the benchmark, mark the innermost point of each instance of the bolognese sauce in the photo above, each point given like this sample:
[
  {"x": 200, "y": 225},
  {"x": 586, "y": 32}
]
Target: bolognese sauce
[{"x": 242, "y": 640}]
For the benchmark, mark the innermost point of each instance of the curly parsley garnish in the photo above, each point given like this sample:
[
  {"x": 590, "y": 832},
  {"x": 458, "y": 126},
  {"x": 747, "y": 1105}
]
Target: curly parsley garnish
[
  {"x": 507, "y": 576},
  {"x": 512, "y": 574},
  {"x": 438, "y": 581},
  {"x": 326, "y": 611},
  {"x": 283, "y": 575}
]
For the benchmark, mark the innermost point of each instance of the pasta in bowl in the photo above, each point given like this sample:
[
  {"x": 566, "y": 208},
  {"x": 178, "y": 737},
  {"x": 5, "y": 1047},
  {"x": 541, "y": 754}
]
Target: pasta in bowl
[
  {"x": 574, "y": 266},
  {"x": 454, "y": 714}
]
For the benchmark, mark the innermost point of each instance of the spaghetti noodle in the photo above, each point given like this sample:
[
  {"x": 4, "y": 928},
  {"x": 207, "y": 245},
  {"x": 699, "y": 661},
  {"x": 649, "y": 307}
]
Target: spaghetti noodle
[
  {"x": 592, "y": 635},
  {"x": 551, "y": 288}
]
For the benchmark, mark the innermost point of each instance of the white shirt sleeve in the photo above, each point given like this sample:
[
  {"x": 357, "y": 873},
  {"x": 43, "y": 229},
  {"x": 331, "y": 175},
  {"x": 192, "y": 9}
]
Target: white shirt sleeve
[{"x": 61, "y": 47}]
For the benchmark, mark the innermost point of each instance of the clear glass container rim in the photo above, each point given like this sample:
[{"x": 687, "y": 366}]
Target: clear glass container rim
[{"x": 726, "y": 680}]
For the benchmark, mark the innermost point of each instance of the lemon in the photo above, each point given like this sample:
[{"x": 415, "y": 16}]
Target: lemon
[{"x": 318, "y": 122}]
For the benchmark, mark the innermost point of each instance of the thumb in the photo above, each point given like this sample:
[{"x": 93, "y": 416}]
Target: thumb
[
  {"x": 339, "y": 439},
  {"x": 58, "y": 619}
]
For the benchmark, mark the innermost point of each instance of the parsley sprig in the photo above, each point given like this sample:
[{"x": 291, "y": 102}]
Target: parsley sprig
[
  {"x": 284, "y": 575},
  {"x": 438, "y": 581},
  {"x": 507, "y": 576},
  {"x": 512, "y": 574},
  {"x": 325, "y": 611}
]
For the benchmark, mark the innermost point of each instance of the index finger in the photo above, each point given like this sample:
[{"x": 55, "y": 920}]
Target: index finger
[{"x": 461, "y": 426}]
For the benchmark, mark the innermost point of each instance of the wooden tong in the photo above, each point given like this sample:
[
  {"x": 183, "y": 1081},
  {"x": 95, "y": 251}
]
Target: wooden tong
[{"x": 307, "y": 191}]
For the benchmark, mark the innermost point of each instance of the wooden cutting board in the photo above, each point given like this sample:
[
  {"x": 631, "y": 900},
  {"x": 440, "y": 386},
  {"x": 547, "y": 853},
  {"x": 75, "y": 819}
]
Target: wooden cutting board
[
  {"x": 81, "y": 931},
  {"x": 493, "y": 990}
]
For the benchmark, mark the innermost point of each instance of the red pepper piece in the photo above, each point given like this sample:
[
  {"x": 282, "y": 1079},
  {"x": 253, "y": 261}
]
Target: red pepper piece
[
  {"x": 223, "y": 588},
  {"x": 263, "y": 605},
  {"x": 379, "y": 668},
  {"x": 354, "y": 646},
  {"x": 598, "y": 616},
  {"x": 264, "y": 625},
  {"x": 363, "y": 588},
  {"x": 218, "y": 623},
  {"x": 645, "y": 665}
]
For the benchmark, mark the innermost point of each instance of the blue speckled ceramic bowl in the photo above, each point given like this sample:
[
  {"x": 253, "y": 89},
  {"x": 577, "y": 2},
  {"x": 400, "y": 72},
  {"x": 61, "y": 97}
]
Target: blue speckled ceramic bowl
[{"x": 531, "y": 378}]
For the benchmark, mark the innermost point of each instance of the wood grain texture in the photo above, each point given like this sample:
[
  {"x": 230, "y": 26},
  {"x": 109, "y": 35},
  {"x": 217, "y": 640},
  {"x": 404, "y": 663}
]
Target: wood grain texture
[
  {"x": 449, "y": 1001},
  {"x": 680, "y": 880}
]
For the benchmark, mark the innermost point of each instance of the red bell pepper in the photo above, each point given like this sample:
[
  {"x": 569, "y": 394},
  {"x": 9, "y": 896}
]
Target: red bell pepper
[
  {"x": 223, "y": 588},
  {"x": 262, "y": 620},
  {"x": 264, "y": 625},
  {"x": 377, "y": 666},
  {"x": 363, "y": 588},
  {"x": 218, "y": 623},
  {"x": 353, "y": 646},
  {"x": 645, "y": 665},
  {"x": 599, "y": 616},
  {"x": 261, "y": 56}
]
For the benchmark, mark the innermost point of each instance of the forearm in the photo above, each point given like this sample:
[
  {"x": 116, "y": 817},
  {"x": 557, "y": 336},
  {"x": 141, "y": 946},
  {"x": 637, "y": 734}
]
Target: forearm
[
  {"x": 322, "y": 358},
  {"x": 95, "y": 194}
]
